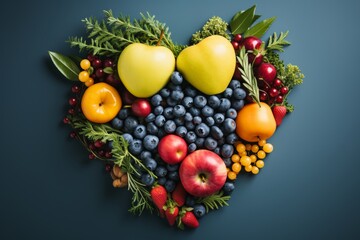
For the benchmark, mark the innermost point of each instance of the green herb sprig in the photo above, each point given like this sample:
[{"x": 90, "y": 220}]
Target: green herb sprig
[{"x": 214, "y": 201}]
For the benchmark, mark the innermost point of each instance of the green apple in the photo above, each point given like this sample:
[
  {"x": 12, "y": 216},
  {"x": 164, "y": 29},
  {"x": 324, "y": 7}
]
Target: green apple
[
  {"x": 144, "y": 69},
  {"x": 208, "y": 65}
]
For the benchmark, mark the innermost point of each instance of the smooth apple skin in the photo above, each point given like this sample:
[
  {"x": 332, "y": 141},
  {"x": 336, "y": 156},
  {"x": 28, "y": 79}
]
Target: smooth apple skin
[
  {"x": 202, "y": 163},
  {"x": 144, "y": 69},
  {"x": 172, "y": 149},
  {"x": 208, "y": 65},
  {"x": 100, "y": 103}
]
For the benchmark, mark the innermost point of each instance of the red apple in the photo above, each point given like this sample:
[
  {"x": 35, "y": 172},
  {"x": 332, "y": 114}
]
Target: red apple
[
  {"x": 141, "y": 107},
  {"x": 172, "y": 149},
  {"x": 202, "y": 173}
]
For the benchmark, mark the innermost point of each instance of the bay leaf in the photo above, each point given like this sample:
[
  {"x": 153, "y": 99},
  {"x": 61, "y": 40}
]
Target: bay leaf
[
  {"x": 260, "y": 28},
  {"x": 242, "y": 21},
  {"x": 65, "y": 65}
]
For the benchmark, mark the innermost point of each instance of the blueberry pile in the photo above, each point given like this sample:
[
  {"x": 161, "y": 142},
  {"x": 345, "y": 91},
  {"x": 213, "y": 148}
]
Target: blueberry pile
[{"x": 205, "y": 122}]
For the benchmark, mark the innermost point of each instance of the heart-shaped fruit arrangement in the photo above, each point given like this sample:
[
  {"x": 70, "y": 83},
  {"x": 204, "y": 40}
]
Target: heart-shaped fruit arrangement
[{"x": 176, "y": 124}]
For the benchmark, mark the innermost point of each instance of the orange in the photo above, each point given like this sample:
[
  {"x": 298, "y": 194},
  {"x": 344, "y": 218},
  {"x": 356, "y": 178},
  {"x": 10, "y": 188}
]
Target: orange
[
  {"x": 254, "y": 122},
  {"x": 100, "y": 103}
]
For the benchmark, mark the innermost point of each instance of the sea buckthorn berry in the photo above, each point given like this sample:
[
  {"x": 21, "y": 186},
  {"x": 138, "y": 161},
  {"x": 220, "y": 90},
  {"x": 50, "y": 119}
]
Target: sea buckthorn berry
[
  {"x": 262, "y": 142},
  {"x": 253, "y": 158},
  {"x": 83, "y": 76},
  {"x": 255, "y": 170},
  {"x": 240, "y": 148},
  {"x": 248, "y": 147},
  {"x": 243, "y": 154},
  {"x": 268, "y": 148},
  {"x": 248, "y": 168},
  {"x": 261, "y": 154},
  {"x": 89, "y": 82},
  {"x": 260, "y": 163},
  {"x": 254, "y": 148},
  {"x": 245, "y": 161},
  {"x": 236, "y": 167},
  {"x": 235, "y": 158},
  {"x": 85, "y": 64},
  {"x": 231, "y": 175}
]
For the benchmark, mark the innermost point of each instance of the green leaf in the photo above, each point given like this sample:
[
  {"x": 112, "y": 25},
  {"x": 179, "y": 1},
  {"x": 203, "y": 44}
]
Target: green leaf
[
  {"x": 65, "y": 65},
  {"x": 242, "y": 21},
  {"x": 260, "y": 28}
]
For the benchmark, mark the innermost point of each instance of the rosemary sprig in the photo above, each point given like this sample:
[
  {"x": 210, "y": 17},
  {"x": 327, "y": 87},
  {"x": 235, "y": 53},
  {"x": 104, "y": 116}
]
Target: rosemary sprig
[
  {"x": 277, "y": 42},
  {"x": 214, "y": 201},
  {"x": 247, "y": 74}
]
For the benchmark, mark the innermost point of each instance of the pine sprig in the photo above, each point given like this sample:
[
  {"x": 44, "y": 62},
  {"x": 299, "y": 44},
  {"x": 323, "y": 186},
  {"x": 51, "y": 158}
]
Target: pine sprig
[
  {"x": 277, "y": 42},
  {"x": 247, "y": 74},
  {"x": 214, "y": 201},
  {"x": 93, "y": 46}
]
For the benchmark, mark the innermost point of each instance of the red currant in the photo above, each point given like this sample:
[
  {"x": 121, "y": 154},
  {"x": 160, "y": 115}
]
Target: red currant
[
  {"x": 235, "y": 45},
  {"x": 279, "y": 99},
  {"x": 237, "y": 38},
  {"x": 108, "y": 154},
  {"x": 92, "y": 146},
  {"x": 98, "y": 143},
  {"x": 72, "y": 101},
  {"x": 108, "y": 63},
  {"x": 263, "y": 96},
  {"x": 97, "y": 63},
  {"x": 91, "y": 156},
  {"x": 75, "y": 89},
  {"x": 284, "y": 90},
  {"x": 91, "y": 57},
  {"x": 273, "y": 92},
  {"x": 72, "y": 134},
  {"x": 71, "y": 111},
  {"x": 100, "y": 73},
  {"x": 66, "y": 120},
  {"x": 277, "y": 83},
  {"x": 108, "y": 167}
]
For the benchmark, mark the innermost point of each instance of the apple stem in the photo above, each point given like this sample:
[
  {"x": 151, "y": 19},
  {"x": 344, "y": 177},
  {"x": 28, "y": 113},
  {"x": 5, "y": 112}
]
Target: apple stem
[{"x": 161, "y": 37}]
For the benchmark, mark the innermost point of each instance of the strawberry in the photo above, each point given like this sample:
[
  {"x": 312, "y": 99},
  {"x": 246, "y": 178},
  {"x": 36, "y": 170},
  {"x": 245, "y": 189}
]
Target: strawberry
[
  {"x": 190, "y": 220},
  {"x": 159, "y": 197},
  {"x": 179, "y": 195},
  {"x": 171, "y": 214},
  {"x": 279, "y": 113}
]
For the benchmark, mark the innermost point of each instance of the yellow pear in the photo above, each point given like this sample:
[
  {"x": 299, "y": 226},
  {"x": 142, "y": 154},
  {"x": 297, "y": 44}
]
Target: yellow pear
[
  {"x": 208, "y": 65},
  {"x": 144, "y": 69}
]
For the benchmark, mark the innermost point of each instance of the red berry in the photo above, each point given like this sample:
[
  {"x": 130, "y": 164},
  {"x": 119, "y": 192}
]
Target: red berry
[
  {"x": 66, "y": 120},
  {"x": 91, "y": 156},
  {"x": 273, "y": 92},
  {"x": 96, "y": 63},
  {"x": 237, "y": 38},
  {"x": 98, "y": 143},
  {"x": 108, "y": 155},
  {"x": 91, "y": 57},
  {"x": 72, "y": 134},
  {"x": 263, "y": 96},
  {"x": 108, "y": 167},
  {"x": 252, "y": 43},
  {"x": 99, "y": 73},
  {"x": 91, "y": 146},
  {"x": 277, "y": 83},
  {"x": 279, "y": 99},
  {"x": 266, "y": 71},
  {"x": 266, "y": 87},
  {"x": 284, "y": 90},
  {"x": 108, "y": 63},
  {"x": 255, "y": 60},
  {"x": 75, "y": 89},
  {"x": 110, "y": 79},
  {"x": 72, "y": 101},
  {"x": 235, "y": 45},
  {"x": 141, "y": 107}
]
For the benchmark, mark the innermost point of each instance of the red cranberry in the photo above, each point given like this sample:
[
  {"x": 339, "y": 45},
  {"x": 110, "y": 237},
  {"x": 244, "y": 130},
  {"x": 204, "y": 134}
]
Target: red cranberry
[
  {"x": 279, "y": 99},
  {"x": 277, "y": 83},
  {"x": 141, "y": 107},
  {"x": 273, "y": 92},
  {"x": 284, "y": 90},
  {"x": 108, "y": 63},
  {"x": 237, "y": 38},
  {"x": 99, "y": 73},
  {"x": 235, "y": 45},
  {"x": 96, "y": 63},
  {"x": 75, "y": 89},
  {"x": 91, "y": 156},
  {"x": 91, "y": 57},
  {"x": 66, "y": 120},
  {"x": 263, "y": 96},
  {"x": 98, "y": 143},
  {"x": 108, "y": 154},
  {"x": 72, "y": 101}
]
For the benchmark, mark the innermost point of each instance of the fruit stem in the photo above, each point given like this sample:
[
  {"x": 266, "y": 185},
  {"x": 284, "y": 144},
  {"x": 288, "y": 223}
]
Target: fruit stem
[{"x": 161, "y": 37}]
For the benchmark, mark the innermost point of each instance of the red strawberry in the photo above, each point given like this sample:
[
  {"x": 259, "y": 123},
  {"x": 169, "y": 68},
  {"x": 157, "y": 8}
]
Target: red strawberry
[
  {"x": 179, "y": 195},
  {"x": 279, "y": 113},
  {"x": 159, "y": 196},
  {"x": 171, "y": 213},
  {"x": 190, "y": 220}
]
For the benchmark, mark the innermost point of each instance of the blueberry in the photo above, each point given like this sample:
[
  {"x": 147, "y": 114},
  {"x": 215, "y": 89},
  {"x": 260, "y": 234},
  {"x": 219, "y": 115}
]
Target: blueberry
[
  {"x": 174, "y": 175},
  {"x": 124, "y": 113},
  {"x": 234, "y": 84},
  {"x": 228, "y": 162},
  {"x": 192, "y": 147},
  {"x": 160, "y": 121},
  {"x": 190, "y": 91},
  {"x": 177, "y": 95},
  {"x": 231, "y": 113},
  {"x": 200, "y": 101},
  {"x": 202, "y": 130},
  {"x": 210, "y": 143},
  {"x": 189, "y": 125},
  {"x": 145, "y": 154},
  {"x": 194, "y": 111},
  {"x": 161, "y": 180},
  {"x": 117, "y": 123},
  {"x": 161, "y": 133},
  {"x": 199, "y": 210},
  {"x": 239, "y": 94},
  {"x": 214, "y": 102},
  {"x": 165, "y": 92},
  {"x": 199, "y": 142},
  {"x": 181, "y": 131},
  {"x": 190, "y": 137},
  {"x": 188, "y": 117},
  {"x": 149, "y": 118},
  {"x": 158, "y": 110},
  {"x": 217, "y": 150},
  {"x": 221, "y": 141},
  {"x": 179, "y": 111},
  {"x": 156, "y": 100},
  {"x": 190, "y": 201},
  {"x": 228, "y": 188},
  {"x": 188, "y": 102},
  {"x": 171, "y": 102},
  {"x": 197, "y": 120},
  {"x": 150, "y": 163},
  {"x": 130, "y": 123},
  {"x": 219, "y": 118},
  {"x": 207, "y": 111},
  {"x": 216, "y": 132},
  {"x": 169, "y": 113},
  {"x": 147, "y": 179},
  {"x": 140, "y": 132},
  {"x": 161, "y": 171},
  {"x": 227, "y": 150},
  {"x": 232, "y": 138},
  {"x": 229, "y": 125},
  {"x": 209, "y": 121},
  {"x": 172, "y": 167},
  {"x": 228, "y": 93},
  {"x": 170, "y": 185},
  {"x": 128, "y": 137},
  {"x": 225, "y": 104},
  {"x": 170, "y": 126},
  {"x": 151, "y": 128},
  {"x": 174, "y": 87},
  {"x": 176, "y": 78},
  {"x": 238, "y": 104},
  {"x": 136, "y": 146},
  {"x": 150, "y": 142}
]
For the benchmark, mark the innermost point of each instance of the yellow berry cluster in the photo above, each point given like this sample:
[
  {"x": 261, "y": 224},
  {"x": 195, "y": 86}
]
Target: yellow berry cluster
[
  {"x": 249, "y": 157},
  {"x": 84, "y": 76}
]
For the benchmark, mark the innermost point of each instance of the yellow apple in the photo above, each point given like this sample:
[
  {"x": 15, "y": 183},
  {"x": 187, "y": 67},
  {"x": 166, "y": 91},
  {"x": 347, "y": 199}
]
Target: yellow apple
[
  {"x": 144, "y": 69},
  {"x": 100, "y": 103},
  {"x": 208, "y": 65}
]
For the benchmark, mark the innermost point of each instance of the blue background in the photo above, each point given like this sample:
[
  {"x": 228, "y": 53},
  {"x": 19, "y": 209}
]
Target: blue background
[{"x": 309, "y": 188}]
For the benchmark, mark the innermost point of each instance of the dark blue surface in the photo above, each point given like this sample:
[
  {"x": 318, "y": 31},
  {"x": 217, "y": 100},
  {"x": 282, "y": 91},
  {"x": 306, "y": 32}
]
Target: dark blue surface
[{"x": 309, "y": 188}]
